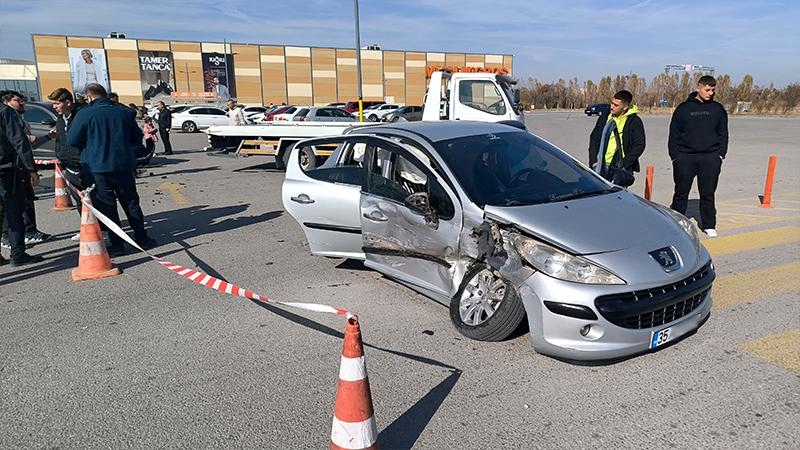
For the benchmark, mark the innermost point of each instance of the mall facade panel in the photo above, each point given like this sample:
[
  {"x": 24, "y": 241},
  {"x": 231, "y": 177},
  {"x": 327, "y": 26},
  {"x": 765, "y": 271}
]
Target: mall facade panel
[{"x": 147, "y": 71}]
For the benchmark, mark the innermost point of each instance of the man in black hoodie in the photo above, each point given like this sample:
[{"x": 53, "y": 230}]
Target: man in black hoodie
[{"x": 698, "y": 142}]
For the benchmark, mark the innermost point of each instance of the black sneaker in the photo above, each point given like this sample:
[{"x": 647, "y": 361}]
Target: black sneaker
[
  {"x": 36, "y": 237},
  {"x": 148, "y": 243},
  {"x": 116, "y": 251},
  {"x": 26, "y": 259},
  {"x": 3, "y": 261}
]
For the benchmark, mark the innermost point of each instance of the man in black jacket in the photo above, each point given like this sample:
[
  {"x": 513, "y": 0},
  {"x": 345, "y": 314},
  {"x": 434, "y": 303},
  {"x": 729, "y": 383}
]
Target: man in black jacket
[
  {"x": 68, "y": 156},
  {"x": 164, "y": 124},
  {"x": 698, "y": 142},
  {"x": 631, "y": 134},
  {"x": 16, "y": 169}
]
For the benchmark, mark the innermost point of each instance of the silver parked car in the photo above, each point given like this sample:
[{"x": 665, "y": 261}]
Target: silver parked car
[
  {"x": 409, "y": 113},
  {"x": 498, "y": 223},
  {"x": 316, "y": 114}
]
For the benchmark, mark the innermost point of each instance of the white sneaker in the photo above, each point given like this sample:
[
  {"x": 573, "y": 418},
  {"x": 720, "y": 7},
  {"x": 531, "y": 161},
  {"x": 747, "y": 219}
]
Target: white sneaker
[
  {"x": 77, "y": 237},
  {"x": 711, "y": 232}
]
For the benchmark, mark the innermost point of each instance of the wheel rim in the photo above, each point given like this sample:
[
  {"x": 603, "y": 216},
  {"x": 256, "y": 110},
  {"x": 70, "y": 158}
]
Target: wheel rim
[
  {"x": 481, "y": 297},
  {"x": 304, "y": 159}
]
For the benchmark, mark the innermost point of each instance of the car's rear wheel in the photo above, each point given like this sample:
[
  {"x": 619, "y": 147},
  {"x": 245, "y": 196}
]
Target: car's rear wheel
[
  {"x": 373, "y": 118},
  {"x": 189, "y": 127},
  {"x": 486, "y": 308},
  {"x": 395, "y": 118}
]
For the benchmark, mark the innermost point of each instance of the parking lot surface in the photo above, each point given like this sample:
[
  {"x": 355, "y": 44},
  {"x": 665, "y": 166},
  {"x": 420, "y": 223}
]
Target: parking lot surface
[{"x": 149, "y": 359}]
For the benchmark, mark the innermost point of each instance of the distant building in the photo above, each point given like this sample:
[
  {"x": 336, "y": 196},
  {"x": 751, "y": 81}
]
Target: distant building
[{"x": 20, "y": 75}]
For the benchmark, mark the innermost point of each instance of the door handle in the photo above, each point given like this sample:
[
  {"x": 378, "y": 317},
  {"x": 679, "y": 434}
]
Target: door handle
[
  {"x": 303, "y": 199},
  {"x": 376, "y": 216}
]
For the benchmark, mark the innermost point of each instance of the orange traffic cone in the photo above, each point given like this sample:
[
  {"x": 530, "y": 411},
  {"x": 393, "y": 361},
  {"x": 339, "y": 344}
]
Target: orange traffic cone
[
  {"x": 94, "y": 261},
  {"x": 354, "y": 418},
  {"x": 63, "y": 200}
]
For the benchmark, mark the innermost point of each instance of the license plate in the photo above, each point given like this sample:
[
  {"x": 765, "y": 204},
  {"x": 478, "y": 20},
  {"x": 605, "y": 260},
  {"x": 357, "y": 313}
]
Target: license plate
[{"x": 660, "y": 337}]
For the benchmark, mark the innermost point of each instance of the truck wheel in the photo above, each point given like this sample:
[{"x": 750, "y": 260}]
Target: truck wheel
[
  {"x": 189, "y": 127},
  {"x": 308, "y": 160},
  {"x": 486, "y": 308}
]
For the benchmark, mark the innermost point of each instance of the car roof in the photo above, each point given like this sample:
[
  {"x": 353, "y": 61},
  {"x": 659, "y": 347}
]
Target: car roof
[
  {"x": 441, "y": 130},
  {"x": 44, "y": 105}
]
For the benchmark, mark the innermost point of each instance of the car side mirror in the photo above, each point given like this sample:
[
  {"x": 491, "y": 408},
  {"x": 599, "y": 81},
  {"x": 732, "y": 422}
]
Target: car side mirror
[
  {"x": 420, "y": 203},
  {"x": 517, "y": 96}
]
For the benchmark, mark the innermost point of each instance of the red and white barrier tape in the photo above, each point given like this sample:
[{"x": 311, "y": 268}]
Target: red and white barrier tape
[
  {"x": 199, "y": 277},
  {"x": 44, "y": 162}
]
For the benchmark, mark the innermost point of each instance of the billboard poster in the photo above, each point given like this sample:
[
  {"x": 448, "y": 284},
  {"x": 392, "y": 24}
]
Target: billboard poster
[
  {"x": 157, "y": 75},
  {"x": 218, "y": 75},
  {"x": 87, "y": 66}
]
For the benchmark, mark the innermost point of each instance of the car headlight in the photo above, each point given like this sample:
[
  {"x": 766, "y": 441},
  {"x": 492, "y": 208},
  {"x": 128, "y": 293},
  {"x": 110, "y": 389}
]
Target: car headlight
[
  {"x": 563, "y": 266},
  {"x": 687, "y": 225}
]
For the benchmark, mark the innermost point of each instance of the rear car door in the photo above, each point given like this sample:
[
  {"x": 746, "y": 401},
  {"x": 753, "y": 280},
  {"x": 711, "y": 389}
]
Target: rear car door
[
  {"x": 410, "y": 219},
  {"x": 324, "y": 200}
]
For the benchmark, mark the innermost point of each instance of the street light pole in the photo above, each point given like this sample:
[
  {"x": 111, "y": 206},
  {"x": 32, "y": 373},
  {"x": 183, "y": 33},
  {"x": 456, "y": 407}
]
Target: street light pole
[{"x": 358, "y": 68}]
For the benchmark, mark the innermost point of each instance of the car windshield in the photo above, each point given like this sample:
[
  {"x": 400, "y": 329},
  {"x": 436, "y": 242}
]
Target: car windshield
[{"x": 517, "y": 168}]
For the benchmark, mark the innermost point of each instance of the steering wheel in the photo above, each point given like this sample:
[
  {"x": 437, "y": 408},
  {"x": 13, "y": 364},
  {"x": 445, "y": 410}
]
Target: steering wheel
[
  {"x": 495, "y": 106},
  {"x": 516, "y": 180}
]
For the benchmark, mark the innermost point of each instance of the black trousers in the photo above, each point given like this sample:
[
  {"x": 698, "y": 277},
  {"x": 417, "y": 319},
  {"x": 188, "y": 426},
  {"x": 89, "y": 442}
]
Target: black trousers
[
  {"x": 80, "y": 180},
  {"x": 165, "y": 140},
  {"x": 12, "y": 190},
  {"x": 111, "y": 186},
  {"x": 706, "y": 167},
  {"x": 28, "y": 213}
]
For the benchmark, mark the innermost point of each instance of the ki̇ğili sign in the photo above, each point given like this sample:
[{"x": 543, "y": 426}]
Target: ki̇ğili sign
[
  {"x": 157, "y": 75},
  {"x": 218, "y": 75}
]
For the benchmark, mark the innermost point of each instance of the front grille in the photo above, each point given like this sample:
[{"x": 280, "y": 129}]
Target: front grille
[{"x": 657, "y": 306}]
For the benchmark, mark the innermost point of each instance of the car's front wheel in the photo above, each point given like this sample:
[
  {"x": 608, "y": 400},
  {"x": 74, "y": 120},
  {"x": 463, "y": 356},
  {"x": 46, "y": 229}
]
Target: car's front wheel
[
  {"x": 189, "y": 127},
  {"x": 373, "y": 118},
  {"x": 486, "y": 308}
]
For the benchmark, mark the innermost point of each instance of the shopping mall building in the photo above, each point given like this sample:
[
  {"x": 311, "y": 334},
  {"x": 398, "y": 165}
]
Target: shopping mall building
[{"x": 145, "y": 71}]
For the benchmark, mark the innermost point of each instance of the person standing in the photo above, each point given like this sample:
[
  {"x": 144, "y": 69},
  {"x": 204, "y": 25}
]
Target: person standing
[
  {"x": 698, "y": 143},
  {"x": 235, "y": 113},
  {"x": 630, "y": 130},
  {"x": 32, "y": 234},
  {"x": 105, "y": 135},
  {"x": 16, "y": 171},
  {"x": 164, "y": 124},
  {"x": 150, "y": 138},
  {"x": 68, "y": 156}
]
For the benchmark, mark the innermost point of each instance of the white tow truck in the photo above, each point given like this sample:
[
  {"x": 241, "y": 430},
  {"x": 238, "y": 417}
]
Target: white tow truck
[{"x": 485, "y": 97}]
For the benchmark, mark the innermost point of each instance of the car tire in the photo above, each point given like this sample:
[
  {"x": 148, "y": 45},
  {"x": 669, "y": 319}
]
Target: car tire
[
  {"x": 373, "y": 118},
  {"x": 482, "y": 288},
  {"x": 189, "y": 127},
  {"x": 395, "y": 118}
]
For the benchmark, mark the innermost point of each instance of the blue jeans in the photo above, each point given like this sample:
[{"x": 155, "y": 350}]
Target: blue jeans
[{"x": 113, "y": 186}]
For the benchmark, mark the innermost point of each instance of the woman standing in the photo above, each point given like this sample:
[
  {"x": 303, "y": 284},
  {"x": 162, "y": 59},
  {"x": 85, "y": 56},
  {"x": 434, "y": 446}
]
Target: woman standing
[{"x": 87, "y": 72}]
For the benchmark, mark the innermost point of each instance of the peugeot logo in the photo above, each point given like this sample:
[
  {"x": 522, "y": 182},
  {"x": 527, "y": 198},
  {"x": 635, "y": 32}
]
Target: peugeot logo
[{"x": 667, "y": 257}]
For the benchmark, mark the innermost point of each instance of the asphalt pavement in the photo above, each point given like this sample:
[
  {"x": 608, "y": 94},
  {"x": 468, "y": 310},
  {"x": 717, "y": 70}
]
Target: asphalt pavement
[{"x": 149, "y": 359}]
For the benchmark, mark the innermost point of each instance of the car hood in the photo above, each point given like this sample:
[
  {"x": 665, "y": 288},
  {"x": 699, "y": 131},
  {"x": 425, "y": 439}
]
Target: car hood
[{"x": 591, "y": 225}]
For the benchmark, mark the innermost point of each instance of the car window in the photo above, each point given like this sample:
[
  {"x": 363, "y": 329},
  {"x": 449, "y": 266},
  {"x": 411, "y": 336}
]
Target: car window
[
  {"x": 215, "y": 112},
  {"x": 481, "y": 95},
  {"x": 302, "y": 113},
  {"x": 341, "y": 113},
  {"x": 345, "y": 166},
  {"x": 323, "y": 113},
  {"x": 394, "y": 176},
  {"x": 35, "y": 116},
  {"x": 516, "y": 168}
]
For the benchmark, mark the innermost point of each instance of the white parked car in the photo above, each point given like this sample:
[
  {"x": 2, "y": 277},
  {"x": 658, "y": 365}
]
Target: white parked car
[
  {"x": 375, "y": 113},
  {"x": 199, "y": 118}
]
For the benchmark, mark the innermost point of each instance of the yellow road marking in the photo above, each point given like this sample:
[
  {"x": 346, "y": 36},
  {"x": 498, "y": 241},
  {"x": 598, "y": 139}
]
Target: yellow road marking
[
  {"x": 749, "y": 241},
  {"x": 173, "y": 189},
  {"x": 782, "y": 349},
  {"x": 756, "y": 206},
  {"x": 744, "y": 287},
  {"x": 734, "y": 223}
]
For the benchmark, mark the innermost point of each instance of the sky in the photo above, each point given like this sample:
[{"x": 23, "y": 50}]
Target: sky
[{"x": 549, "y": 39}]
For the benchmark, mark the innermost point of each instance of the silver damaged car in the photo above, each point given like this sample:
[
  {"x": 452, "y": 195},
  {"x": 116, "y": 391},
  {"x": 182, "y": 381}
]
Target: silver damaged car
[{"x": 499, "y": 225}]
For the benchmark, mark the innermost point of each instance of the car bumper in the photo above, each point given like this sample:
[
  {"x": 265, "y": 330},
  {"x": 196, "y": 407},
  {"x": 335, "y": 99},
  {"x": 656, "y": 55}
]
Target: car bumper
[{"x": 560, "y": 336}]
